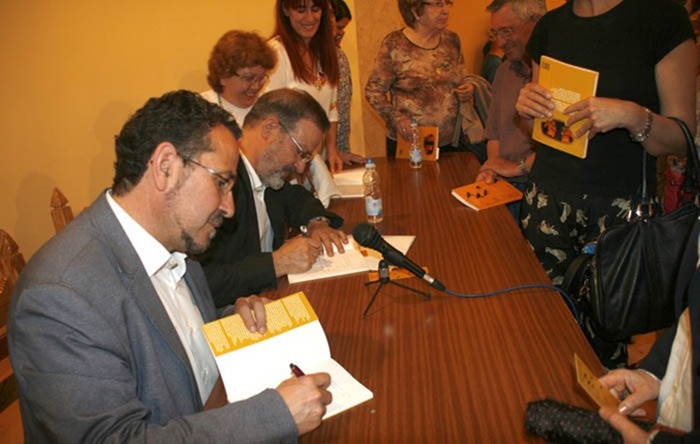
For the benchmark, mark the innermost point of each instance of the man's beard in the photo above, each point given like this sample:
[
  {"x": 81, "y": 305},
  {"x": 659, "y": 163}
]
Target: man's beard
[{"x": 194, "y": 248}]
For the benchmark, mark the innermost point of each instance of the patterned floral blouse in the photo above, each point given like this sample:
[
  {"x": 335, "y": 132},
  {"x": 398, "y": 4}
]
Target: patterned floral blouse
[
  {"x": 344, "y": 99},
  {"x": 411, "y": 81}
]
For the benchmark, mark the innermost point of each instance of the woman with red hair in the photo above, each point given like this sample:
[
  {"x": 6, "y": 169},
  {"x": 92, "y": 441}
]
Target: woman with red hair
[{"x": 307, "y": 60}]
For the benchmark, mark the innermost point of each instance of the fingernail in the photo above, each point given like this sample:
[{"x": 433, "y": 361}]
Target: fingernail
[{"x": 624, "y": 408}]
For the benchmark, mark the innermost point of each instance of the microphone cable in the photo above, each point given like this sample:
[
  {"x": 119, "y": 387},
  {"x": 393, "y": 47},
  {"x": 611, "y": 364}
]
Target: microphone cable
[{"x": 567, "y": 299}]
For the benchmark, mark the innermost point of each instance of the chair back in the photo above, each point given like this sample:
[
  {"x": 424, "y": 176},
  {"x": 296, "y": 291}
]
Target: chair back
[
  {"x": 61, "y": 212},
  {"x": 11, "y": 264}
]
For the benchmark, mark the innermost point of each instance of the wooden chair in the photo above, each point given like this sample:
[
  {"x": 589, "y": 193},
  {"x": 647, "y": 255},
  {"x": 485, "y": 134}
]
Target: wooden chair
[
  {"x": 11, "y": 264},
  {"x": 61, "y": 212}
]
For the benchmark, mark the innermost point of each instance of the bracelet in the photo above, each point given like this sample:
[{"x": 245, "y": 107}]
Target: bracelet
[{"x": 643, "y": 135}]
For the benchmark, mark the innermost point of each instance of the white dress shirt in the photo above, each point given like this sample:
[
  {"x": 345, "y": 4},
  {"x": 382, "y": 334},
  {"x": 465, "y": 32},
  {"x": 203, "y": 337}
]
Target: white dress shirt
[
  {"x": 167, "y": 272},
  {"x": 264, "y": 225}
]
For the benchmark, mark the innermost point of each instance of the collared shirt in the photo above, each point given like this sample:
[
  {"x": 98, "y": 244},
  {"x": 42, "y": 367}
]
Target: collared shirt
[
  {"x": 264, "y": 226},
  {"x": 237, "y": 112},
  {"x": 167, "y": 272}
]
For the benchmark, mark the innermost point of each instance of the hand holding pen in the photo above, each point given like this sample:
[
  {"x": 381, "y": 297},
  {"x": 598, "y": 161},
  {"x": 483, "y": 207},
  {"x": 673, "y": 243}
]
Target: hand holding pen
[{"x": 306, "y": 397}]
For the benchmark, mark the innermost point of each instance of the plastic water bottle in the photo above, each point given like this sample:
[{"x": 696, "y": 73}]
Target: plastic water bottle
[
  {"x": 415, "y": 154},
  {"x": 373, "y": 193}
]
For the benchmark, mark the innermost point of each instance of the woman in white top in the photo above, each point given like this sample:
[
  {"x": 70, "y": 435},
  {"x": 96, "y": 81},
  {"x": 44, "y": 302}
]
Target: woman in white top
[
  {"x": 238, "y": 68},
  {"x": 307, "y": 60}
]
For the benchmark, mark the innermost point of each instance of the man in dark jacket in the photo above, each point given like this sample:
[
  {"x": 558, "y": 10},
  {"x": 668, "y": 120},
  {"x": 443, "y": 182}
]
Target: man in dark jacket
[{"x": 251, "y": 250}]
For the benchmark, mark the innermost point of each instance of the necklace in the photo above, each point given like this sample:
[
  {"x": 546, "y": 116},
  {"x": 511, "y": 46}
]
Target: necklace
[{"x": 320, "y": 80}]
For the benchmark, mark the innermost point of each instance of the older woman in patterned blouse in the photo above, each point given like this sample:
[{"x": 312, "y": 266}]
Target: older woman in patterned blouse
[{"x": 419, "y": 73}]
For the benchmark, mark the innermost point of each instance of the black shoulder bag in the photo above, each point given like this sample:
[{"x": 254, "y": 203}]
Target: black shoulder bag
[{"x": 627, "y": 285}]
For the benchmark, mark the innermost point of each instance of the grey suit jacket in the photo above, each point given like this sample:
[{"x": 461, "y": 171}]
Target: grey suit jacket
[{"x": 97, "y": 358}]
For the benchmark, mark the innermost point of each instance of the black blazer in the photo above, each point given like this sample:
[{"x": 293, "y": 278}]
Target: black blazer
[{"x": 234, "y": 264}]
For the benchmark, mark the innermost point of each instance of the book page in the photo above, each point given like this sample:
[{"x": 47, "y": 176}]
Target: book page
[
  {"x": 568, "y": 84},
  {"x": 252, "y": 362},
  {"x": 352, "y": 261},
  {"x": 347, "y": 391}
]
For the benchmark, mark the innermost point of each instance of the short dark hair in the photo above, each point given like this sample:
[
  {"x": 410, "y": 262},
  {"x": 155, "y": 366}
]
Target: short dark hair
[
  {"x": 289, "y": 106},
  {"x": 525, "y": 10},
  {"x": 182, "y": 118},
  {"x": 406, "y": 8},
  {"x": 340, "y": 10},
  {"x": 236, "y": 50}
]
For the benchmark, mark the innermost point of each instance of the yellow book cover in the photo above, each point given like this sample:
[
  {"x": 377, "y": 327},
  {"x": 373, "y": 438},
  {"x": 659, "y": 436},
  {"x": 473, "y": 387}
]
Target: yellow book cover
[
  {"x": 568, "y": 85},
  {"x": 429, "y": 142},
  {"x": 262, "y": 360},
  {"x": 481, "y": 195}
]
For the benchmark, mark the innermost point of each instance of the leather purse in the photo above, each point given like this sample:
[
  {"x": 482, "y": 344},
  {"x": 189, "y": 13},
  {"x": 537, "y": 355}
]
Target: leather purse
[
  {"x": 556, "y": 421},
  {"x": 627, "y": 285}
]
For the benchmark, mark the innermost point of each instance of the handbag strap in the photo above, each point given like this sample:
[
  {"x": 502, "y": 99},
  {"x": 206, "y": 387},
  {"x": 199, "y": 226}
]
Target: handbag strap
[
  {"x": 692, "y": 169},
  {"x": 692, "y": 172}
]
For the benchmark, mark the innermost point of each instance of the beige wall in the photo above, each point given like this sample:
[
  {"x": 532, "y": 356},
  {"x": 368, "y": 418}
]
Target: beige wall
[{"x": 74, "y": 70}]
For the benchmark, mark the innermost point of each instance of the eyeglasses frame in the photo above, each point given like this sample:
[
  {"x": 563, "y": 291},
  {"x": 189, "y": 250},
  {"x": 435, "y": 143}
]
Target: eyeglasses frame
[
  {"x": 224, "y": 184},
  {"x": 304, "y": 155}
]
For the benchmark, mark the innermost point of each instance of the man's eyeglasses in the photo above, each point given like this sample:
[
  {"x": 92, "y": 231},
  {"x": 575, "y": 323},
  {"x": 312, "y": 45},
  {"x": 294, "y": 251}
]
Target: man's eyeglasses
[
  {"x": 301, "y": 152},
  {"x": 503, "y": 33},
  {"x": 440, "y": 4},
  {"x": 224, "y": 184},
  {"x": 252, "y": 79}
]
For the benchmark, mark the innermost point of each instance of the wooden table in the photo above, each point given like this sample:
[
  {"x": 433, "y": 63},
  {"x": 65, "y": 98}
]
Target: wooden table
[{"x": 446, "y": 370}]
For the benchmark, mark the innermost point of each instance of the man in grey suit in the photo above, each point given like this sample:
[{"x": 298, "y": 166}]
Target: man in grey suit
[{"x": 104, "y": 325}]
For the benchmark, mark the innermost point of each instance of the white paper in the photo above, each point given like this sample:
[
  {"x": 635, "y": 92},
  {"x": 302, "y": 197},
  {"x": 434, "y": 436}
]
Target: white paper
[{"x": 252, "y": 362}]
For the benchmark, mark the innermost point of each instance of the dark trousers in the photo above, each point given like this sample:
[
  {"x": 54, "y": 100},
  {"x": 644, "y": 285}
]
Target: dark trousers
[{"x": 558, "y": 225}]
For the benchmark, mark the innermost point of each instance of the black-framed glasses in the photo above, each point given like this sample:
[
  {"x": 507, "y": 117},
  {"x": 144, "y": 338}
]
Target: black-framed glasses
[
  {"x": 223, "y": 183},
  {"x": 253, "y": 79},
  {"x": 440, "y": 4},
  {"x": 301, "y": 152}
]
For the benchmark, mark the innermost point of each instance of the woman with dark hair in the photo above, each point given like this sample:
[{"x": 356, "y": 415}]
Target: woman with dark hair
[
  {"x": 340, "y": 19},
  {"x": 419, "y": 74},
  {"x": 307, "y": 60}
]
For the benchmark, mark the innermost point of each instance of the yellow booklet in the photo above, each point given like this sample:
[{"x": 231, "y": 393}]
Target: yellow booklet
[
  {"x": 481, "y": 195},
  {"x": 251, "y": 362},
  {"x": 429, "y": 141},
  {"x": 568, "y": 85}
]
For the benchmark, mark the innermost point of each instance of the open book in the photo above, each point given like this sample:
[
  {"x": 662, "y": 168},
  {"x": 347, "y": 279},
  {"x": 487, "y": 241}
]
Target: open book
[
  {"x": 251, "y": 362},
  {"x": 355, "y": 259},
  {"x": 481, "y": 195},
  {"x": 568, "y": 85}
]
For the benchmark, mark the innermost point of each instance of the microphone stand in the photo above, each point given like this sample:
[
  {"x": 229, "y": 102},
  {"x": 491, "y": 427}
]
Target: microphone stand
[{"x": 385, "y": 279}]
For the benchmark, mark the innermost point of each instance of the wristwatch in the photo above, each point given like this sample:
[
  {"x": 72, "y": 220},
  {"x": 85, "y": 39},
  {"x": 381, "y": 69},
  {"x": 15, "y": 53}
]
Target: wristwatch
[
  {"x": 305, "y": 228},
  {"x": 644, "y": 133}
]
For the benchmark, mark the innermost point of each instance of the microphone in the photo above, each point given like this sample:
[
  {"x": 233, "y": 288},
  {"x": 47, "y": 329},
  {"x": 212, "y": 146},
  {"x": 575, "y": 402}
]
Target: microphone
[{"x": 368, "y": 236}]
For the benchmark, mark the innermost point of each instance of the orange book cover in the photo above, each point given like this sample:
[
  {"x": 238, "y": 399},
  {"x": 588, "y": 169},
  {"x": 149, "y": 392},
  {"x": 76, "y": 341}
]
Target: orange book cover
[
  {"x": 429, "y": 142},
  {"x": 568, "y": 85},
  {"x": 481, "y": 195}
]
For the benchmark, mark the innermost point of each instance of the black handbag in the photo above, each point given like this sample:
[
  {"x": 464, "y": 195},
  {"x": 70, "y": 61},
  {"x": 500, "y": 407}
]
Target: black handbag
[
  {"x": 559, "y": 422},
  {"x": 627, "y": 285}
]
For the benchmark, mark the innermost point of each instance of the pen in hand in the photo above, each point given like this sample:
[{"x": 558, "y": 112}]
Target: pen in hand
[{"x": 296, "y": 370}]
